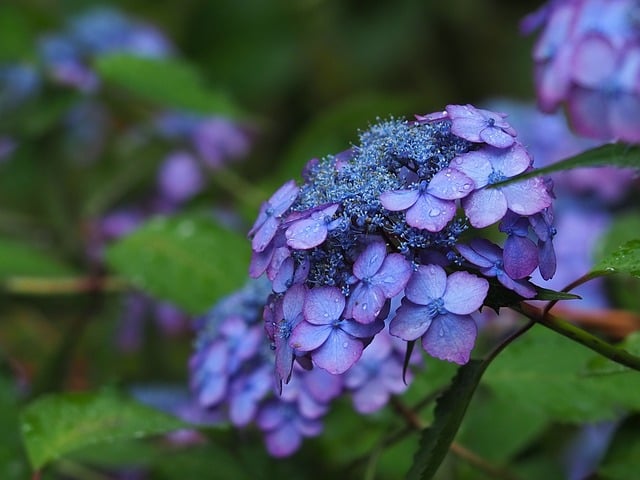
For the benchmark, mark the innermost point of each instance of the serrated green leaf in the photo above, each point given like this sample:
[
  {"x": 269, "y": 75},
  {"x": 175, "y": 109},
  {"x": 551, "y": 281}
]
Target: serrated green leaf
[
  {"x": 550, "y": 373},
  {"x": 20, "y": 259},
  {"x": 55, "y": 425},
  {"x": 614, "y": 154},
  {"x": 625, "y": 259},
  {"x": 167, "y": 82},
  {"x": 188, "y": 260},
  {"x": 450, "y": 409}
]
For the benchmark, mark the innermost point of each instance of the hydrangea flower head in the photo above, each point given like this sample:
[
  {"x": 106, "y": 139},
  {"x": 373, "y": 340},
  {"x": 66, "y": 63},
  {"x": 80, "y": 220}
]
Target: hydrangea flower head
[
  {"x": 381, "y": 222},
  {"x": 587, "y": 58}
]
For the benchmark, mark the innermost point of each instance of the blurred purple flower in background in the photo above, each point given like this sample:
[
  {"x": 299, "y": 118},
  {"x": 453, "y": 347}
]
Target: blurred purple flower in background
[{"x": 587, "y": 57}]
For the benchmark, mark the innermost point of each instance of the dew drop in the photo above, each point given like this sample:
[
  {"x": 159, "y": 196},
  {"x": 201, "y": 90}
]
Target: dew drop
[
  {"x": 466, "y": 186},
  {"x": 434, "y": 212},
  {"x": 441, "y": 332},
  {"x": 345, "y": 345}
]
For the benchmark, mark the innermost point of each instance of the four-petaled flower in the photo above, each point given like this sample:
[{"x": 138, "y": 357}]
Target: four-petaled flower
[
  {"x": 489, "y": 165},
  {"x": 481, "y": 126},
  {"x": 336, "y": 342},
  {"x": 379, "y": 277},
  {"x": 431, "y": 204},
  {"x": 437, "y": 308}
]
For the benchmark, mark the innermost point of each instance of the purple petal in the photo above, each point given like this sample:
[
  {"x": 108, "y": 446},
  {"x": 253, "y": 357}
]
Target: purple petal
[
  {"x": 365, "y": 302},
  {"x": 323, "y": 305},
  {"x": 411, "y": 321},
  {"x": 283, "y": 441},
  {"x": 338, "y": 353},
  {"x": 509, "y": 162},
  {"x": 527, "y": 197},
  {"x": 284, "y": 276},
  {"x": 398, "y": 200},
  {"x": 450, "y": 337},
  {"x": 496, "y": 137},
  {"x": 547, "y": 259},
  {"x": 272, "y": 415},
  {"x": 520, "y": 256},
  {"x": 450, "y": 184},
  {"x": 393, "y": 275},
  {"x": 307, "y": 233},
  {"x": 624, "y": 116},
  {"x": 370, "y": 260},
  {"x": 485, "y": 207},
  {"x": 307, "y": 337},
  {"x": 293, "y": 302},
  {"x": 426, "y": 284},
  {"x": 465, "y": 293},
  {"x": 475, "y": 165},
  {"x": 430, "y": 213},
  {"x": 371, "y": 397},
  {"x": 362, "y": 330},
  {"x": 594, "y": 60},
  {"x": 284, "y": 197},
  {"x": 264, "y": 234}
]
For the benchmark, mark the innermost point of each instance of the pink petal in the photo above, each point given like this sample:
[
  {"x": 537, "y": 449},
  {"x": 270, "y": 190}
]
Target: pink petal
[
  {"x": 465, "y": 293},
  {"x": 451, "y": 337}
]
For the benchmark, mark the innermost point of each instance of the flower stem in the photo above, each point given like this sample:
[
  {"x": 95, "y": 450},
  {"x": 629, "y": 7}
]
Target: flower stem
[
  {"x": 576, "y": 334},
  {"x": 62, "y": 286}
]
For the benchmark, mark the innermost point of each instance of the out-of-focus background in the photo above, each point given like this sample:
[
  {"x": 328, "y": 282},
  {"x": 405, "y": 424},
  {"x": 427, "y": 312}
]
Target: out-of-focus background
[{"x": 181, "y": 118}]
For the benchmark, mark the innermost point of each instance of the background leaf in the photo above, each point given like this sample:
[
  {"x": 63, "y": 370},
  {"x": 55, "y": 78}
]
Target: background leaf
[
  {"x": 625, "y": 259},
  {"x": 189, "y": 260},
  {"x": 20, "y": 259},
  {"x": 550, "y": 373},
  {"x": 450, "y": 409},
  {"x": 166, "y": 82},
  {"x": 55, "y": 425}
]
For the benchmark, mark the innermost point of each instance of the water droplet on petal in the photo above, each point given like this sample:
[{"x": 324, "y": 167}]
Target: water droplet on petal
[
  {"x": 441, "y": 332},
  {"x": 466, "y": 186},
  {"x": 434, "y": 212},
  {"x": 345, "y": 345}
]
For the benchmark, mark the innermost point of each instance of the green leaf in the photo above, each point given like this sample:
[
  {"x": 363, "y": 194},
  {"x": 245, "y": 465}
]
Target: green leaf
[
  {"x": 55, "y": 425},
  {"x": 166, "y": 82},
  {"x": 614, "y": 154},
  {"x": 622, "y": 461},
  {"x": 188, "y": 260},
  {"x": 20, "y": 259},
  {"x": 548, "y": 295},
  {"x": 625, "y": 259},
  {"x": 550, "y": 373},
  {"x": 450, "y": 409}
]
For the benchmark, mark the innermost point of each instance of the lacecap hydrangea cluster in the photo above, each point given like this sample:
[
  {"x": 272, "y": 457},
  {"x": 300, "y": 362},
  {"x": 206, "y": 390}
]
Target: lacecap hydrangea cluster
[
  {"x": 587, "y": 57},
  {"x": 399, "y": 217},
  {"x": 232, "y": 374}
]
